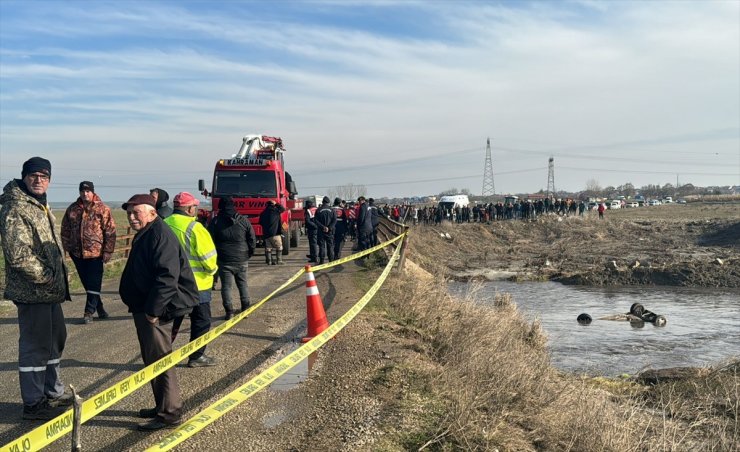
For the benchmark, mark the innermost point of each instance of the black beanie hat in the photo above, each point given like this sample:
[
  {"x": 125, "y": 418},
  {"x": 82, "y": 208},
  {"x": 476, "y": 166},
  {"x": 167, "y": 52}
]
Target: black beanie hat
[
  {"x": 325, "y": 200},
  {"x": 36, "y": 165},
  {"x": 87, "y": 185}
]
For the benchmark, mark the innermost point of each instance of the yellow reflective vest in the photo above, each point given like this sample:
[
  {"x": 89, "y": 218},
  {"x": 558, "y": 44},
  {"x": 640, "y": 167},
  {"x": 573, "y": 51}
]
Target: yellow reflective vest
[{"x": 198, "y": 244}]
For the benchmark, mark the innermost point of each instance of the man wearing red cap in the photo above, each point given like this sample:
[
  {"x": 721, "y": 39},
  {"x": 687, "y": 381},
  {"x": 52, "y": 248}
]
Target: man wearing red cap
[
  {"x": 36, "y": 282},
  {"x": 158, "y": 286},
  {"x": 89, "y": 236},
  {"x": 198, "y": 245}
]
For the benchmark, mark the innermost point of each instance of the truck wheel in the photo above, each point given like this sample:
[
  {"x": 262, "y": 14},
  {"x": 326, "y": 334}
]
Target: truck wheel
[
  {"x": 286, "y": 245},
  {"x": 295, "y": 236}
]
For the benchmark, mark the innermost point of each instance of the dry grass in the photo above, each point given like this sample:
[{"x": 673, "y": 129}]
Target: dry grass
[{"x": 497, "y": 390}]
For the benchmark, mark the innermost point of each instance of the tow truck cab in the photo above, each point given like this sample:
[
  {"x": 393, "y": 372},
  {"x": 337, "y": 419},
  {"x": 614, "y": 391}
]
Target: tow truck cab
[{"x": 254, "y": 176}]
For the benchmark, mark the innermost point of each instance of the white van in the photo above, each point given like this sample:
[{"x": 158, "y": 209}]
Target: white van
[
  {"x": 616, "y": 204},
  {"x": 451, "y": 201}
]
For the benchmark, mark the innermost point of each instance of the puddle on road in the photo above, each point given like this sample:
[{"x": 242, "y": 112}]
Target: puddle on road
[
  {"x": 289, "y": 380},
  {"x": 298, "y": 374}
]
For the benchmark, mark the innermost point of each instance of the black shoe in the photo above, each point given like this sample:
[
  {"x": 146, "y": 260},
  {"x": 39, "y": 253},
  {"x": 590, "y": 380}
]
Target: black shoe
[
  {"x": 156, "y": 424},
  {"x": 229, "y": 315},
  {"x": 102, "y": 314},
  {"x": 42, "y": 411},
  {"x": 65, "y": 399},
  {"x": 203, "y": 361},
  {"x": 88, "y": 318},
  {"x": 147, "y": 413},
  {"x": 309, "y": 256}
]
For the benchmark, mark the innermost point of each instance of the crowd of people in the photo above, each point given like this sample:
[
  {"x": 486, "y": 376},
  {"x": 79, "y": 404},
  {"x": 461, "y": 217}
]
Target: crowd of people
[
  {"x": 171, "y": 268},
  {"x": 168, "y": 275},
  {"x": 487, "y": 212}
]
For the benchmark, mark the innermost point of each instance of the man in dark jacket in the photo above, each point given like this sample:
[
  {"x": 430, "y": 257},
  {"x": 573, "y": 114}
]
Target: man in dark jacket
[
  {"x": 161, "y": 197},
  {"x": 36, "y": 282},
  {"x": 375, "y": 215},
  {"x": 325, "y": 220},
  {"x": 364, "y": 225},
  {"x": 157, "y": 285},
  {"x": 234, "y": 239},
  {"x": 340, "y": 228},
  {"x": 311, "y": 232},
  {"x": 272, "y": 230}
]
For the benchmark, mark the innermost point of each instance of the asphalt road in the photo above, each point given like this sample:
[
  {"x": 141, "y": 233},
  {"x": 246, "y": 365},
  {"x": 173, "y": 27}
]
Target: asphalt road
[{"x": 102, "y": 353}]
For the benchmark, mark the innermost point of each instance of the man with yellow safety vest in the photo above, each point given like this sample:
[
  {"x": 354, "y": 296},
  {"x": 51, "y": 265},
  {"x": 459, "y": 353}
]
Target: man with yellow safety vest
[{"x": 198, "y": 245}]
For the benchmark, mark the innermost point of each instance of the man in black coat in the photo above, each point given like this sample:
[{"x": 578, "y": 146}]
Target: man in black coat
[
  {"x": 364, "y": 225},
  {"x": 272, "y": 232},
  {"x": 325, "y": 220},
  {"x": 311, "y": 232},
  {"x": 234, "y": 239},
  {"x": 157, "y": 285}
]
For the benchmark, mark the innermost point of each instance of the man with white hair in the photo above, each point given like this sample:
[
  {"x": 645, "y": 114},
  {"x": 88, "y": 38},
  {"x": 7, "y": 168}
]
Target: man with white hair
[{"x": 158, "y": 286}]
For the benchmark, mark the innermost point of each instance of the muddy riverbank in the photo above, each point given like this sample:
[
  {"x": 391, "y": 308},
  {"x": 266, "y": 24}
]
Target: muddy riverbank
[{"x": 691, "y": 245}]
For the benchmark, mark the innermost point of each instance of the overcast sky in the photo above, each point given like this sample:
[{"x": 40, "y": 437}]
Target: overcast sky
[{"x": 397, "y": 96}]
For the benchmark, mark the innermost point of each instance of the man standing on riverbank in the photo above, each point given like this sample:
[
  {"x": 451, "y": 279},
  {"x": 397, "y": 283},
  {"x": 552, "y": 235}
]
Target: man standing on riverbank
[
  {"x": 157, "y": 285},
  {"x": 89, "y": 236},
  {"x": 36, "y": 282}
]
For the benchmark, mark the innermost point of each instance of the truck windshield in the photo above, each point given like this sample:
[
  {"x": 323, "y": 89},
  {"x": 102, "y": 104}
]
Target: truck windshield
[{"x": 246, "y": 184}]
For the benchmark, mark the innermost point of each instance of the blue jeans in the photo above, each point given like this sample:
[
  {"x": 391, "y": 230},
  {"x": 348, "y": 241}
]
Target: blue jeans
[{"x": 230, "y": 273}]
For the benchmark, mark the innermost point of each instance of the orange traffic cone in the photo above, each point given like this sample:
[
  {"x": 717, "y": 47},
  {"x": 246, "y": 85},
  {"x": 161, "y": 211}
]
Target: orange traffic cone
[{"x": 315, "y": 314}]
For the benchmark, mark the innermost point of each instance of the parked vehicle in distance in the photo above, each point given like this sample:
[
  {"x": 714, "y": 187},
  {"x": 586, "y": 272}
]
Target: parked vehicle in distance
[
  {"x": 654, "y": 202},
  {"x": 592, "y": 206},
  {"x": 632, "y": 204},
  {"x": 667, "y": 200},
  {"x": 616, "y": 204},
  {"x": 680, "y": 201}
]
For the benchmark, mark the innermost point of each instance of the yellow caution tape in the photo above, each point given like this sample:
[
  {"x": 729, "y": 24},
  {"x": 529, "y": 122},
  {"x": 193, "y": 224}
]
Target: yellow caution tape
[
  {"x": 56, "y": 428},
  {"x": 358, "y": 254},
  {"x": 261, "y": 381},
  {"x": 61, "y": 425}
]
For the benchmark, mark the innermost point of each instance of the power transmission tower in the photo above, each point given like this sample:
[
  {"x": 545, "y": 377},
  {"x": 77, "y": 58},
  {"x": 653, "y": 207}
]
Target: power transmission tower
[
  {"x": 551, "y": 177},
  {"x": 488, "y": 187}
]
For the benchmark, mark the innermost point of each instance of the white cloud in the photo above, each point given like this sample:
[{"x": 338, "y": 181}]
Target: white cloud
[{"x": 182, "y": 87}]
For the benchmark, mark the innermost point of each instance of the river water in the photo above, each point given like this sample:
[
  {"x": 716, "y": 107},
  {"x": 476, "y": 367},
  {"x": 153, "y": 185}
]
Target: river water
[{"x": 703, "y": 325}]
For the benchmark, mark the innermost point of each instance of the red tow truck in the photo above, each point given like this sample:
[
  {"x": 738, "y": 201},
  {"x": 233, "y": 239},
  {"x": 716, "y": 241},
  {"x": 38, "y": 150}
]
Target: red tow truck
[{"x": 254, "y": 175}]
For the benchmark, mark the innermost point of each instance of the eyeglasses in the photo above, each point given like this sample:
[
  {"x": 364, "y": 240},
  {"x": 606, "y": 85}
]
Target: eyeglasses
[{"x": 36, "y": 176}]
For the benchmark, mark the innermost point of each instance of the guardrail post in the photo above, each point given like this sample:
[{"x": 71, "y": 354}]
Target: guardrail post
[
  {"x": 402, "y": 255},
  {"x": 128, "y": 243},
  {"x": 76, "y": 420}
]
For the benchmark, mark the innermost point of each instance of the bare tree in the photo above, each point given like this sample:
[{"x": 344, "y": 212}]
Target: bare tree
[
  {"x": 592, "y": 185},
  {"x": 449, "y": 191},
  {"x": 348, "y": 192}
]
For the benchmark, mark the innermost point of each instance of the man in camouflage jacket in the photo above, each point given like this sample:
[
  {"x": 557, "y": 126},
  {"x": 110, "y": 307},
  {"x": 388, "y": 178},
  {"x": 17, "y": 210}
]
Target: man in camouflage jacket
[
  {"x": 89, "y": 236},
  {"x": 36, "y": 281}
]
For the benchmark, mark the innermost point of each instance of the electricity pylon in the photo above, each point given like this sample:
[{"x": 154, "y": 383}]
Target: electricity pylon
[
  {"x": 551, "y": 177},
  {"x": 488, "y": 188}
]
